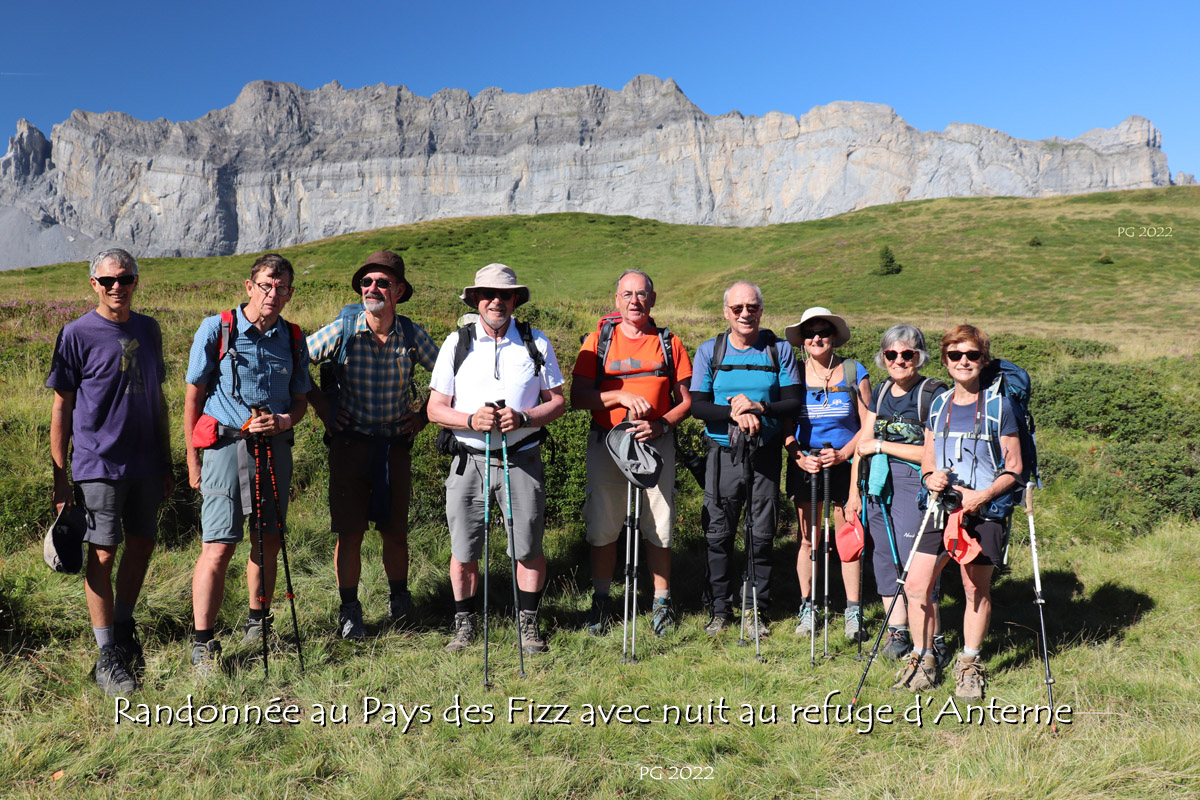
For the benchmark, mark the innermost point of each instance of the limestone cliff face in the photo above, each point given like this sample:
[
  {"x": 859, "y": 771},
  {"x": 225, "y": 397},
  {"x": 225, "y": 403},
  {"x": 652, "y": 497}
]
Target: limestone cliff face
[{"x": 284, "y": 165}]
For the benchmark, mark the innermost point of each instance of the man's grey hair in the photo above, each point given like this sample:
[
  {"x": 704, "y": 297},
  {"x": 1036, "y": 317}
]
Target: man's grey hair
[
  {"x": 903, "y": 334},
  {"x": 757, "y": 292},
  {"x": 649, "y": 280},
  {"x": 123, "y": 259}
]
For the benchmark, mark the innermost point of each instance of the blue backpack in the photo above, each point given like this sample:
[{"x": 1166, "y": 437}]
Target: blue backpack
[{"x": 1002, "y": 379}]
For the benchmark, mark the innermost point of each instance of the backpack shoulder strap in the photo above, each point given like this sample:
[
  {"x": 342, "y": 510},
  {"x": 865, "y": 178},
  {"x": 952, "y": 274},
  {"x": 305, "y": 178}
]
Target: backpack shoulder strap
[
  {"x": 925, "y": 397},
  {"x": 535, "y": 355},
  {"x": 297, "y": 339},
  {"x": 603, "y": 343},
  {"x": 226, "y": 334},
  {"x": 349, "y": 318},
  {"x": 664, "y": 341},
  {"x": 994, "y": 411},
  {"x": 718, "y": 355},
  {"x": 466, "y": 339}
]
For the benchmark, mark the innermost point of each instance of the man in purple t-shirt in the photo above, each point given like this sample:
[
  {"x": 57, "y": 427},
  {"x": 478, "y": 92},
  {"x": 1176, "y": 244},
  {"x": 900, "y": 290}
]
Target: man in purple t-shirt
[{"x": 107, "y": 376}]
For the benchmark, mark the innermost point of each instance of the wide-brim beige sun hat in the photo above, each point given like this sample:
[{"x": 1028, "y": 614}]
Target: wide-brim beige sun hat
[
  {"x": 496, "y": 276},
  {"x": 792, "y": 332}
]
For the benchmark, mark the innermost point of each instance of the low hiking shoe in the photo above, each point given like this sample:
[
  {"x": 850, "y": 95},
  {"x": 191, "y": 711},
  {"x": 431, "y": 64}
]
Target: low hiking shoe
[
  {"x": 599, "y": 615},
  {"x": 128, "y": 645},
  {"x": 112, "y": 673},
  {"x": 919, "y": 673},
  {"x": 255, "y": 628},
  {"x": 531, "y": 638},
  {"x": 808, "y": 620},
  {"x": 854, "y": 625},
  {"x": 464, "y": 631},
  {"x": 748, "y": 620},
  {"x": 970, "y": 678},
  {"x": 400, "y": 607},
  {"x": 206, "y": 658},
  {"x": 662, "y": 619},
  {"x": 899, "y": 644},
  {"x": 350, "y": 622},
  {"x": 718, "y": 623}
]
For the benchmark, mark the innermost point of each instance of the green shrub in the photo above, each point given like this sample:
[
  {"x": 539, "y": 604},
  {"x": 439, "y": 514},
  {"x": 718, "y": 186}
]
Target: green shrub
[
  {"x": 888, "y": 265},
  {"x": 1035, "y": 241},
  {"x": 1118, "y": 402}
]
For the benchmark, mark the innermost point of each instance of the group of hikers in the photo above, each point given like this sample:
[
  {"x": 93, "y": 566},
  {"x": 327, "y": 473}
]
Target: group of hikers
[{"x": 887, "y": 457}]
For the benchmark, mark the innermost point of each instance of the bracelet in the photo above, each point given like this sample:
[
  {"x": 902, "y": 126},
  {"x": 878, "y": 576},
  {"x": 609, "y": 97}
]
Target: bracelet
[
  {"x": 923, "y": 477},
  {"x": 525, "y": 422},
  {"x": 878, "y": 446},
  {"x": 470, "y": 419}
]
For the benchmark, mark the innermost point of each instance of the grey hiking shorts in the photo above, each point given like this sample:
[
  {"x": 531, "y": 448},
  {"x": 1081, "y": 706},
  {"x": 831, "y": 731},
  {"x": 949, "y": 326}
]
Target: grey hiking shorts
[
  {"x": 113, "y": 508},
  {"x": 465, "y": 503}
]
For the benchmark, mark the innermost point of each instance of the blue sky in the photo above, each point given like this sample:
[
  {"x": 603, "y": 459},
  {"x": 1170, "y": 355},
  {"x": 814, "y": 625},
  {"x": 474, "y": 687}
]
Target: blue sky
[{"x": 1032, "y": 70}]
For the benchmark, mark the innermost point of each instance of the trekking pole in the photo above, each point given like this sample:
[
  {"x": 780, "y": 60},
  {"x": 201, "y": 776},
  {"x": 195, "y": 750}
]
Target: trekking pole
[
  {"x": 812, "y": 558},
  {"x": 929, "y": 509},
  {"x": 512, "y": 544},
  {"x": 487, "y": 506},
  {"x": 1040, "y": 601},
  {"x": 826, "y": 513},
  {"x": 863, "y": 482},
  {"x": 628, "y": 559},
  {"x": 634, "y": 534},
  {"x": 256, "y": 439},
  {"x": 750, "y": 575},
  {"x": 287, "y": 571}
]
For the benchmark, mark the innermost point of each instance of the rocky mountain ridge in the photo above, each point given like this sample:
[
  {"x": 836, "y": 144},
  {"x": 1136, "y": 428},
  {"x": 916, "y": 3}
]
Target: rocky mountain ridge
[{"x": 284, "y": 165}]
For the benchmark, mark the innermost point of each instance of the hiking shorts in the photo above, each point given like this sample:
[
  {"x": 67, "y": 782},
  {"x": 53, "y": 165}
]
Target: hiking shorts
[
  {"x": 604, "y": 508},
  {"x": 991, "y": 533},
  {"x": 799, "y": 484},
  {"x": 221, "y": 510},
  {"x": 350, "y": 481},
  {"x": 465, "y": 503},
  {"x": 113, "y": 508}
]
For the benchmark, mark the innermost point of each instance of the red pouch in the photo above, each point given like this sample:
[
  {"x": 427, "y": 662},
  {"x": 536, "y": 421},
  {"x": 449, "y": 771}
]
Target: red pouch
[
  {"x": 850, "y": 540},
  {"x": 205, "y": 433}
]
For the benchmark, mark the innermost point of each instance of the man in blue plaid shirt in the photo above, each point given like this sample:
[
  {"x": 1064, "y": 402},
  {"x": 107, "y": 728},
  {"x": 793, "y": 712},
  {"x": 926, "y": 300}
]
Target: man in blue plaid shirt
[{"x": 371, "y": 422}]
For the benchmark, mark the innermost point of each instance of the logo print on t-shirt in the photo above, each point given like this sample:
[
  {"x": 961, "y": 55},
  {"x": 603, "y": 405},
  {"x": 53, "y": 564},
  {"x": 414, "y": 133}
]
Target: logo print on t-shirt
[
  {"x": 629, "y": 365},
  {"x": 131, "y": 365}
]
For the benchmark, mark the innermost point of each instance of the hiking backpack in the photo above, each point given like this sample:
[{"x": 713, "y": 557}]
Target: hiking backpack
[
  {"x": 717, "y": 362},
  {"x": 1002, "y": 379},
  {"x": 608, "y": 324},
  {"x": 227, "y": 343}
]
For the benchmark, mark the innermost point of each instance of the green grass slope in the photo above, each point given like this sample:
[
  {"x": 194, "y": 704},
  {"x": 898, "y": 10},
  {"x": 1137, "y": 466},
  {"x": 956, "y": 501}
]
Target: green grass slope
[{"x": 1117, "y": 398}]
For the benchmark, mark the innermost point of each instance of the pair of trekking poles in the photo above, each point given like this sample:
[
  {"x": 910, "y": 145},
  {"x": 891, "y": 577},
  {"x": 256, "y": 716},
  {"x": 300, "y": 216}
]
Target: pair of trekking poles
[
  {"x": 512, "y": 545},
  {"x": 268, "y": 460},
  {"x": 812, "y": 556}
]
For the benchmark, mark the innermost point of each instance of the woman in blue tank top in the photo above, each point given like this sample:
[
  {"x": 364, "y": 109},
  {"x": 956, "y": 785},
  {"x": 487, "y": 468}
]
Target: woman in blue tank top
[{"x": 820, "y": 446}]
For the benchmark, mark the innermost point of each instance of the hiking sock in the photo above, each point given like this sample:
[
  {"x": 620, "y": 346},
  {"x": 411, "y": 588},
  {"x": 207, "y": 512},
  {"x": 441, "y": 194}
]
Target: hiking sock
[
  {"x": 465, "y": 606},
  {"x": 397, "y": 587},
  {"x": 349, "y": 596},
  {"x": 258, "y": 614},
  {"x": 662, "y": 594},
  {"x": 104, "y": 636},
  {"x": 969, "y": 653},
  {"x": 602, "y": 586},
  {"x": 528, "y": 601},
  {"x": 202, "y": 636},
  {"x": 122, "y": 612},
  {"x": 851, "y": 607}
]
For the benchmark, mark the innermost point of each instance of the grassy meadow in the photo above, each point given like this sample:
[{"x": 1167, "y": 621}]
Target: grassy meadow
[{"x": 1095, "y": 294}]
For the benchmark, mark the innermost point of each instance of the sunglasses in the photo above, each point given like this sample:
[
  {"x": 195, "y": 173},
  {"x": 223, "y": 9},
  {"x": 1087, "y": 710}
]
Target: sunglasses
[
  {"x": 892, "y": 355},
  {"x": 108, "y": 280},
  {"x": 380, "y": 283},
  {"x": 971, "y": 355},
  {"x": 751, "y": 308},
  {"x": 493, "y": 294},
  {"x": 823, "y": 333}
]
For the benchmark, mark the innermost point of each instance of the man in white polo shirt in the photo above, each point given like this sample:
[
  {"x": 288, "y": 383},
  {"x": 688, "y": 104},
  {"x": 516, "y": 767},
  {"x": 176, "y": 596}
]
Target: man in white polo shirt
[{"x": 499, "y": 359}]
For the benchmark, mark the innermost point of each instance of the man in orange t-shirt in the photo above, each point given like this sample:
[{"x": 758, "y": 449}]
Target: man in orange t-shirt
[{"x": 637, "y": 384}]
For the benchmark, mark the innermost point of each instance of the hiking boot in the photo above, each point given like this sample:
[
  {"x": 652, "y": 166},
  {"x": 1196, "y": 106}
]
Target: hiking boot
[
  {"x": 464, "y": 631},
  {"x": 854, "y": 625},
  {"x": 112, "y": 673},
  {"x": 531, "y": 639},
  {"x": 255, "y": 628},
  {"x": 808, "y": 620},
  {"x": 970, "y": 678},
  {"x": 128, "y": 644},
  {"x": 764, "y": 630},
  {"x": 919, "y": 673},
  {"x": 350, "y": 622},
  {"x": 206, "y": 658},
  {"x": 941, "y": 651},
  {"x": 717, "y": 623},
  {"x": 400, "y": 607},
  {"x": 662, "y": 619},
  {"x": 599, "y": 615},
  {"x": 899, "y": 644}
]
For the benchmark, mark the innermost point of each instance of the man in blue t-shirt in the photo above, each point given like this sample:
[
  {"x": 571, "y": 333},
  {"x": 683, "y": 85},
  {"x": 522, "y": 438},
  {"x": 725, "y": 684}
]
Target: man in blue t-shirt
[
  {"x": 742, "y": 399},
  {"x": 107, "y": 375}
]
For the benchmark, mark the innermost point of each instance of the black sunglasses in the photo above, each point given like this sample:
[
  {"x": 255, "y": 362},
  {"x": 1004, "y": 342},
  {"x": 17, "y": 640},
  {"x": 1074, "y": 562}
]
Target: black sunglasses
[
  {"x": 955, "y": 355},
  {"x": 492, "y": 294},
  {"x": 752, "y": 308},
  {"x": 124, "y": 280},
  {"x": 907, "y": 355},
  {"x": 823, "y": 333},
  {"x": 381, "y": 283}
]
